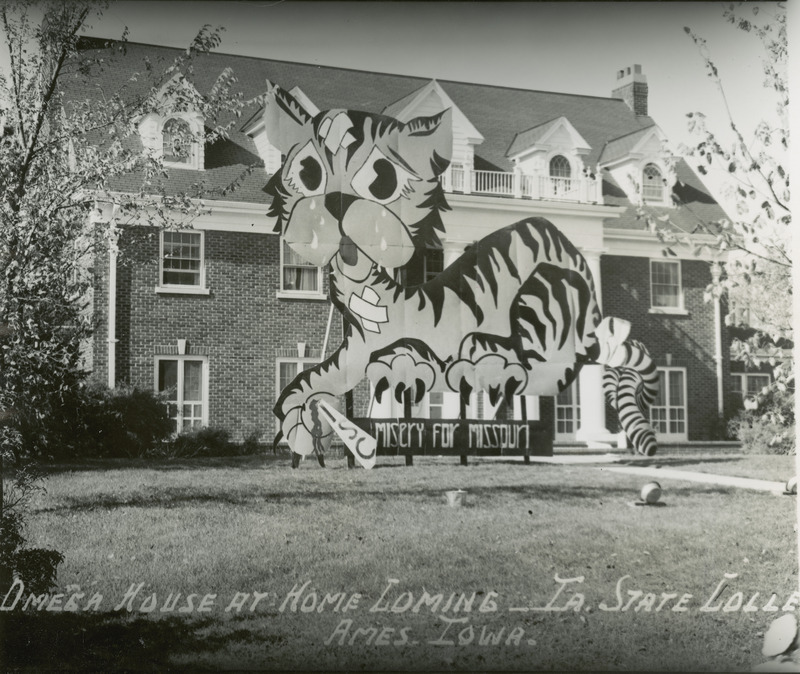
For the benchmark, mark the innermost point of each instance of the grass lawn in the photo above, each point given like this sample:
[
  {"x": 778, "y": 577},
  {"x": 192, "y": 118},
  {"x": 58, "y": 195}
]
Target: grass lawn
[{"x": 369, "y": 553}]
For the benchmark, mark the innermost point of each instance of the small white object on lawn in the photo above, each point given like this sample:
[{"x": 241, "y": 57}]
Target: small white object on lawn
[
  {"x": 456, "y": 498},
  {"x": 791, "y": 485},
  {"x": 651, "y": 492}
]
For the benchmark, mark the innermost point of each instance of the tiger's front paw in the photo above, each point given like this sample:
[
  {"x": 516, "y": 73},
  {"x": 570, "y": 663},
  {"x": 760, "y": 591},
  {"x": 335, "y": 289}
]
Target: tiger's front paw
[
  {"x": 401, "y": 373},
  {"x": 305, "y": 427}
]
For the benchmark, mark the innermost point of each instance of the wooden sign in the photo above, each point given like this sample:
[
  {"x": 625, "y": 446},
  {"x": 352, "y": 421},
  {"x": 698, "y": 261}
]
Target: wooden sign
[{"x": 458, "y": 437}]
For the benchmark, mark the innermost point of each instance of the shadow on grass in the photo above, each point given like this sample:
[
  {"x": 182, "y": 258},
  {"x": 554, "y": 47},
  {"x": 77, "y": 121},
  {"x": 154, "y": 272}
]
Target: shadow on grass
[
  {"x": 672, "y": 462},
  {"x": 415, "y": 496},
  {"x": 269, "y": 460},
  {"x": 103, "y": 641},
  {"x": 248, "y": 462}
]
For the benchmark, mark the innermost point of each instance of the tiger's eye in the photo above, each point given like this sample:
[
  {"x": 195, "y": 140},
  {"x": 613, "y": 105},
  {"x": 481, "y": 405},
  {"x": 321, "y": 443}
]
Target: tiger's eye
[
  {"x": 311, "y": 173},
  {"x": 385, "y": 182}
]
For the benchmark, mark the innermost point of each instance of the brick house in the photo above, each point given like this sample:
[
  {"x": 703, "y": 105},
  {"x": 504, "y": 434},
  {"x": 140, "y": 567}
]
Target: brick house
[{"x": 224, "y": 314}]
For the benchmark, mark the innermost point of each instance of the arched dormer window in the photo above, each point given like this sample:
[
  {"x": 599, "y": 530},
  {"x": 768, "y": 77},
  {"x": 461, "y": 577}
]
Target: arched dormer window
[
  {"x": 653, "y": 185},
  {"x": 560, "y": 176},
  {"x": 177, "y": 142},
  {"x": 559, "y": 167}
]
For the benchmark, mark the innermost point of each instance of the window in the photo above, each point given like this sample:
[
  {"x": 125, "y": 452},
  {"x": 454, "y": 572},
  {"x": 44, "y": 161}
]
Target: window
[
  {"x": 177, "y": 142},
  {"x": 430, "y": 407},
  {"x": 559, "y": 167},
  {"x": 560, "y": 174},
  {"x": 653, "y": 187},
  {"x": 184, "y": 380},
  {"x": 668, "y": 411},
  {"x": 288, "y": 369},
  {"x": 749, "y": 386},
  {"x": 182, "y": 256},
  {"x": 665, "y": 285},
  {"x": 297, "y": 274},
  {"x": 433, "y": 263},
  {"x": 568, "y": 412}
]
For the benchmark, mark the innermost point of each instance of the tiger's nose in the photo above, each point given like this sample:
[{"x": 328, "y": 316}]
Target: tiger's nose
[{"x": 337, "y": 204}]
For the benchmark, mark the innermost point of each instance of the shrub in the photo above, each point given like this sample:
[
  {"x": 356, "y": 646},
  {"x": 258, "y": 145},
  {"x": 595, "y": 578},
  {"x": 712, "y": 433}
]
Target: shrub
[
  {"x": 91, "y": 421},
  {"x": 124, "y": 422},
  {"x": 207, "y": 441},
  {"x": 251, "y": 443},
  {"x": 761, "y": 436},
  {"x": 770, "y": 427}
]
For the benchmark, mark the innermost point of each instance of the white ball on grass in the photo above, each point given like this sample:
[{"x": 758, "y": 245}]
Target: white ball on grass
[{"x": 651, "y": 492}]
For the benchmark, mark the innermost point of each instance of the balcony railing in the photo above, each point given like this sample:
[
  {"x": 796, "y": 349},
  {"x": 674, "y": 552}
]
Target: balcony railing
[{"x": 522, "y": 186}]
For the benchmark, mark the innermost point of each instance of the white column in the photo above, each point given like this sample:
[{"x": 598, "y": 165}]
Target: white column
[
  {"x": 715, "y": 274},
  {"x": 447, "y": 179},
  {"x": 517, "y": 183},
  {"x": 593, "y": 430},
  {"x": 111, "y": 314},
  {"x": 467, "y": 188},
  {"x": 531, "y": 407}
]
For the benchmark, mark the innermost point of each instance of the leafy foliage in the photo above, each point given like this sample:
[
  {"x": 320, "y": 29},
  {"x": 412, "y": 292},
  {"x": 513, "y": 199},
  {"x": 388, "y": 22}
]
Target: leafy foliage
[
  {"x": 65, "y": 144},
  {"x": 206, "y": 441},
  {"x": 769, "y": 427},
  {"x": 99, "y": 422},
  {"x": 756, "y": 243},
  {"x": 35, "y": 567}
]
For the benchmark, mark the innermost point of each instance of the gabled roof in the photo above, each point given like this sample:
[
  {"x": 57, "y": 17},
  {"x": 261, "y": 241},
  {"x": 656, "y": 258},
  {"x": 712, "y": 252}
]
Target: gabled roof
[
  {"x": 539, "y": 135},
  {"x": 621, "y": 147},
  {"x": 406, "y": 109},
  {"x": 498, "y": 113},
  {"x": 698, "y": 204}
]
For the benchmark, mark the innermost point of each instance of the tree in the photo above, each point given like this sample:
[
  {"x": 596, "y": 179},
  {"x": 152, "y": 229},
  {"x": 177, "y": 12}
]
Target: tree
[
  {"x": 757, "y": 241},
  {"x": 64, "y": 146}
]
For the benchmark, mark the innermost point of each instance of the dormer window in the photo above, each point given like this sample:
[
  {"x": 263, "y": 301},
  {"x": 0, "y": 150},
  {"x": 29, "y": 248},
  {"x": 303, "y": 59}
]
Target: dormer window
[
  {"x": 653, "y": 184},
  {"x": 177, "y": 142},
  {"x": 175, "y": 133},
  {"x": 560, "y": 174},
  {"x": 559, "y": 167}
]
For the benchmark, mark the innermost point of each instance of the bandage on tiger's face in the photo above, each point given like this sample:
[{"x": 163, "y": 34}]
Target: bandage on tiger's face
[{"x": 352, "y": 180}]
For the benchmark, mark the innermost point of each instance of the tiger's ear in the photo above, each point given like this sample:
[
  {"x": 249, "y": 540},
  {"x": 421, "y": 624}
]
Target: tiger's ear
[
  {"x": 427, "y": 142},
  {"x": 285, "y": 120}
]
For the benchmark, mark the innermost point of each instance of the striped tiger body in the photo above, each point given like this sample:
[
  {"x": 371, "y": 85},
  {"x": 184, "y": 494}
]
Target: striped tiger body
[
  {"x": 630, "y": 388},
  {"x": 517, "y": 313}
]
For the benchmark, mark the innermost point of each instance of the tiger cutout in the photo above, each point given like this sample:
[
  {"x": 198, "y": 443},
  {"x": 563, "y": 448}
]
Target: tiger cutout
[{"x": 516, "y": 314}]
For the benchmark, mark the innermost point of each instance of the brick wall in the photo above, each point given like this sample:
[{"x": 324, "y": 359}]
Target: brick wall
[
  {"x": 241, "y": 324},
  {"x": 688, "y": 338}
]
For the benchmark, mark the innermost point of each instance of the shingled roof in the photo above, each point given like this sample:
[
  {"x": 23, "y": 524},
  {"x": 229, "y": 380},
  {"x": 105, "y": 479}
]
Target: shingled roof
[
  {"x": 499, "y": 113},
  {"x": 619, "y": 147}
]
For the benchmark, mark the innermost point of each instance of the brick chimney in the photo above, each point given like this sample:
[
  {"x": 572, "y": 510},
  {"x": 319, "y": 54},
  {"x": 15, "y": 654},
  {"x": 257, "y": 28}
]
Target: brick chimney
[{"x": 631, "y": 87}]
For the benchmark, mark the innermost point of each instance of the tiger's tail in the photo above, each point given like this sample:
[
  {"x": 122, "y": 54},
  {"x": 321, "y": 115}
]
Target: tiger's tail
[{"x": 630, "y": 382}]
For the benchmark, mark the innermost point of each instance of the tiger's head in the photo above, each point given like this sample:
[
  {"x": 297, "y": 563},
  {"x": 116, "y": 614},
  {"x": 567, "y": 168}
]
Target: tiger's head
[{"x": 358, "y": 185}]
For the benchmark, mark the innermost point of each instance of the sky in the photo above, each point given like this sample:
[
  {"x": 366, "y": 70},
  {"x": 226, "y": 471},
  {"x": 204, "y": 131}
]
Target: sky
[{"x": 550, "y": 46}]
